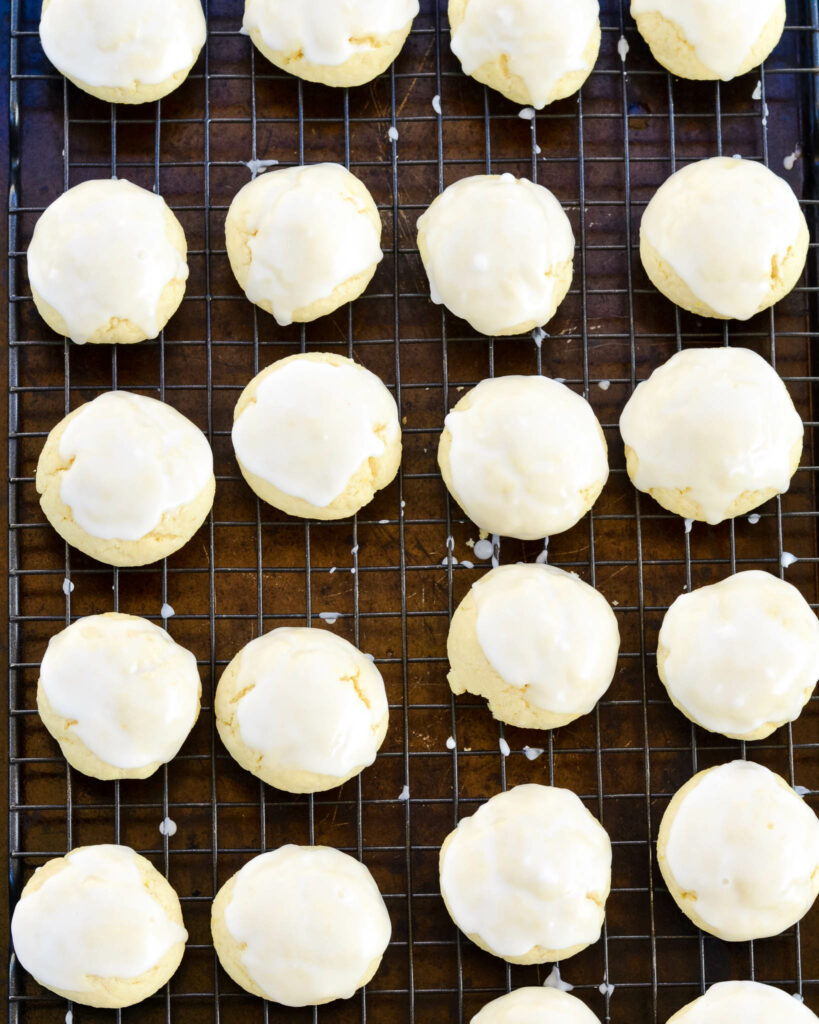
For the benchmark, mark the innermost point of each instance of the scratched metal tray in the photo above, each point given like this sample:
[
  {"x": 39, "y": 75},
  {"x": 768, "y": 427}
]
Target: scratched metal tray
[{"x": 386, "y": 575}]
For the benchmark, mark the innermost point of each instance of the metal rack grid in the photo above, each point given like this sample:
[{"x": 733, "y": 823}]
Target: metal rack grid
[{"x": 395, "y": 573}]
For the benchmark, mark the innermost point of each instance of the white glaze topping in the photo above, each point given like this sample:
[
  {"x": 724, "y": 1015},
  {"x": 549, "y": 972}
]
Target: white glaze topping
[
  {"x": 101, "y": 252},
  {"x": 132, "y": 460},
  {"x": 530, "y": 868},
  {"x": 741, "y": 653},
  {"x": 309, "y": 234},
  {"x": 122, "y": 43},
  {"x": 715, "y": 422},
  {"x": 312, "y": 921},
  {"x": 542, "y": 40},
  {"x": 313, "y": 701},
  {"x": 326, "y": 32},
  {"x": 546, "y": 631},
  {"x": 523, "y": 455},
  {"x": 93, "y": 919},
  {"x": 746, "y": 1002},
  {"x": 130, "y": 693},
  {"x": 313, "y": 425},
  {"x": 535, "y": 1006},
  {"x": 721, "y": 32},
  {"x": 722, "y": 225},
  {"x": 495, "y": 246},
  {"x": 748, "y": 848}
]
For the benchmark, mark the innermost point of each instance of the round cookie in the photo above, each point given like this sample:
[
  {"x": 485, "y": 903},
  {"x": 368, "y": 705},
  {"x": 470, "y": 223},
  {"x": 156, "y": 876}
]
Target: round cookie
[
  {"x": 107, "y": 263},
  {"x": 301, "y": 926},
  {"x": 739, "y": 852},
  {"x": 712, "y": 434},
  {"x": 123, "y": 51},
  {"x": 724, "y": 238},
  {"x": 535, "y": 1005},
  {"x": 316, "y": 435},
  {"x": 523, "y": 456},
  {"x": 713, "y": 40},
  {"x": 334, "y": 42},
  {"x": 740, "y": 657},
  {"x": 747, "y": 1002},
  {"x": 302, "y": 241},
  {"x": 498, "y": 252},
  {"x": 538, "y": 643},
  {"x": 118, "y": 695},
  {"x": 532, "y": 51},
  {"x": 302, "y": 709},
  {"x": 126, "y": 479},
  {"x": 100, "y": 927},
  {"x": 527, "y": 876}
]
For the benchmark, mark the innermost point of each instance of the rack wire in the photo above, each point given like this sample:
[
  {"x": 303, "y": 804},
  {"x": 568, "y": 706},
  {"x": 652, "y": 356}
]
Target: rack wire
[{"x": 394, "y": 574}]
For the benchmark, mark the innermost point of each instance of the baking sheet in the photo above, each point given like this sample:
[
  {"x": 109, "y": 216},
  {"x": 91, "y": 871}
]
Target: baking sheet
[{"x": 387, "y": 574}]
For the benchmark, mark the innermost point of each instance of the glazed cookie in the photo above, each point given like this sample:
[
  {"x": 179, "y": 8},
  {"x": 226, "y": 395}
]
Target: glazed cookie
[
  {"x": 539, "y": 643},
  {"x": 301, "y": 926},
  {"x": 535, "y": 1006},
  {"x": 100, "y": 927},
  {"x": 739, "y": 852},
  {"x": 740, "y": 657},
  {"x": 126, "y": 479},
  {"x": 123, "y": 51},
  {"x": 740, "y": 247},
  {"x": 747, "y": 1002},
  {"x": 302, "y": 709},
  {"x": 118, "y": 695},
  {"x": 531, "y": 51},
  {"x": 498, "y": 252},
  {"x": 523, "y": 456},
  {"x": 527, "y": 876},
  {"x": 316, "y": 435},
  {"x": 712, "y": 434},
  {"x": 716, "y": 39},
  {"x": 107, "y": 263},
  {"x": 302, "y": 241},
  {"x": 335, "y": 42}
]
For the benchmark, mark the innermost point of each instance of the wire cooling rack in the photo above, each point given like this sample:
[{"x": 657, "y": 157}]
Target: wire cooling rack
[{"x": 389, "y": 579}]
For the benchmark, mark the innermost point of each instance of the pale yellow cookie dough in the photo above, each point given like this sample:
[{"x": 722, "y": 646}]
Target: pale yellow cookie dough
[
  {"x": 527, "y": 876},
  {"x": 680, "y": 502},
  {"x": 326, "y": 706},
  {"x": 739, "y": 846},
  {"x": 741, "y": 247},
  {"x": 535, "y": 1005},
  {"x": 326, "y": 934},
  {"x": 156, "y": 661},
  {"x": 59, "y": 237},
  {"x": 304, "y": 240},
  {"x": 497, "y": 71},
  {"x": 523, "y": 456},
  {"x": 562, "y": 621},
  {"x": 369, "y": 476},
  {"x": 498, "y": 252},
  {"x": 712, "y": 434},
  {"x": 106, "y": 40},
  {"x": 346, "y": 62},
  {"x": 784, "y": 276},
  {"x": 114, "y": 993},
  {"x": 173, "y": 531},
  {"x": 744, "y": 1002},
  {"x": 740, "y": 657},
  {"x": 670, "y": 46}
]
